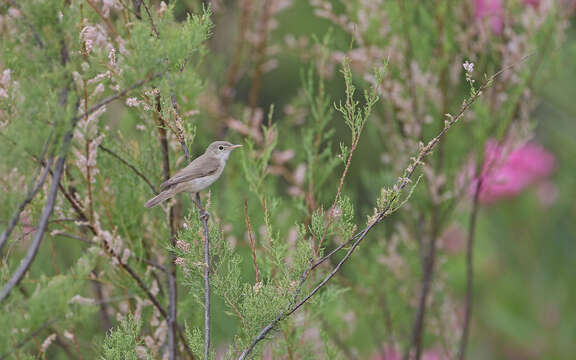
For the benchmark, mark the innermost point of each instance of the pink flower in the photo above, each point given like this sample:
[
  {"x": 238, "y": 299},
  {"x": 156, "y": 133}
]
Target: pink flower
[
  {"x": 491, "y": 10},
  {"x": 507, "y": 174}
]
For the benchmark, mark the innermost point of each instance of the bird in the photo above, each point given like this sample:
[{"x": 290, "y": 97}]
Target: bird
[{"x": 198, "y": 175}]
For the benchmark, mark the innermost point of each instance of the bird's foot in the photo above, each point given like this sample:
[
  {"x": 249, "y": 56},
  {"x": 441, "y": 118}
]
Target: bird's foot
[{"x": 204, "y": 215}]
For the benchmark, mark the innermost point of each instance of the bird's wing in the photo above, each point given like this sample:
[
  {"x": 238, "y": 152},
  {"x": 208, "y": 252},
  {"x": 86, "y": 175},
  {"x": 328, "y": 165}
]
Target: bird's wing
[{"x": 201, "y": 166}]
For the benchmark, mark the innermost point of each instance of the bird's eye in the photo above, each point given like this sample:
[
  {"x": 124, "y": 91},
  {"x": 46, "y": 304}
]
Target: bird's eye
[{"x": 220, "y": 147}]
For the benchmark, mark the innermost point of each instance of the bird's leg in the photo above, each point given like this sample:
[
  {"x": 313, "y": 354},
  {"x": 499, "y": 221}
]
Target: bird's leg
[{"x": 204, "y": 215}]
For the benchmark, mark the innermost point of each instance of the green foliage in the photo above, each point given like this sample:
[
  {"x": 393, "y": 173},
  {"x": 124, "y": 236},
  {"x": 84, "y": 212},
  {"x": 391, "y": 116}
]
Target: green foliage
[
  {"x": 195, "y": 339},
  {"x": 166, "y": 46},
  {"x": 52, "y": 301},
  {"x": 122, "y": 342},
  {"x": 301, "y": 187},
  {"x": 355, "y": 116}
]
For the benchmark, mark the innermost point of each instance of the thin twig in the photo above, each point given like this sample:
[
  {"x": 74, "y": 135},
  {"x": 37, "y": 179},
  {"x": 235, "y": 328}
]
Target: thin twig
[
  {"x": 251, "y": 237},
  {"x": 102, "y": 304},
  {"x": 29, "y": 24},
  {"x": 132, "y": 167},
  {"x": 106, "y": 20},
  {"x": 154, "y": 28},
  {"x": 88, "y": 241},
  {"x": 137, "y": 4},
  {"x": 118, "y": 95},
  {"x": 391, "y": 206},
  {"x": 179, "y": 127},
  {"x": 28, "y": 338},
  {"x": 428, "y": 266},
  {"x": 76, "y": 345},
  {"x": 470, "y": 271}
]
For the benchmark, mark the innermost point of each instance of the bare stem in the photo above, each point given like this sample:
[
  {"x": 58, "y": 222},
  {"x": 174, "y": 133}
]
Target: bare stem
[
  {"x": 154, "y": 28},
  {"x": 429, "y": 262},
  {"x": 469, "y": 272},
  {"x": 204, "y": 218},
  {"x": 251, "y": 237}
]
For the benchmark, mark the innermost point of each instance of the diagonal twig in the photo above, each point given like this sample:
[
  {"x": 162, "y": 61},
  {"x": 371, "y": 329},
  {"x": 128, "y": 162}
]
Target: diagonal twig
[
  {"x": 390, "y": 207},
  {"x": 131, "y": 167},
  {"x": 154, "y": 28},
  {"x": 28, "y": 338},
  {"x": 35, "y": 34},
  {"x": 252, "y": 242}
]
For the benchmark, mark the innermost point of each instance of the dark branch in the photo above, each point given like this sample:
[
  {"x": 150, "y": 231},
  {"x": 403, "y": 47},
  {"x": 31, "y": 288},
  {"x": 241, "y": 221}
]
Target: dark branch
[
  {"x": 204, "y": 217},
  {"x": 35, "y": 34},
  {"x": 428, "y": 266},
  {"x": 154, "y": 28},
  {"x": 470, "y": 271},
  {"x": 28, "y": 338}
]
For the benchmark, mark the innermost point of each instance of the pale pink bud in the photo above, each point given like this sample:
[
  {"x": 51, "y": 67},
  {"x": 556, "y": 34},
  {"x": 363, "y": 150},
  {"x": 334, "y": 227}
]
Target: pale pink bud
[{"x": 183, "y": 245}]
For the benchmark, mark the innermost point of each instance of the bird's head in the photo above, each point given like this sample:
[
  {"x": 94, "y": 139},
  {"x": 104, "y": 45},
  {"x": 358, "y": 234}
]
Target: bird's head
[{"x": 221, "y": 149}]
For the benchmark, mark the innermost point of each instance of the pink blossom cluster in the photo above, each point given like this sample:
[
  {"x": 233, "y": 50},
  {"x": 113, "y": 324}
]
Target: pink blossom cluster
[
  {"x": 506, "y": 174},
  {"x": 492, "y": 11}
]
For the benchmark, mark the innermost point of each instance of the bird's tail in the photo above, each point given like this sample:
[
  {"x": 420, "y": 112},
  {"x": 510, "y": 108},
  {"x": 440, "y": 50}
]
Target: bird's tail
[{"x": 163, "y": 196}]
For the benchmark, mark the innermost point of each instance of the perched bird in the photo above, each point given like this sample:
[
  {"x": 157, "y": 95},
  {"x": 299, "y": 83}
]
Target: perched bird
[{"x": 198, "y": 175}]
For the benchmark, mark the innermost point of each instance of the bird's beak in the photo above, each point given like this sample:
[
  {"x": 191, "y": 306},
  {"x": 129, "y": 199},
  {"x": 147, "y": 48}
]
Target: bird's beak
[{"x": 234, "y": 147}]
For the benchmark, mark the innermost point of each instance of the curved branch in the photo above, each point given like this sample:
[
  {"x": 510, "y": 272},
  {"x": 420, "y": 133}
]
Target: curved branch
[{"x": 43, "y": 223}]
